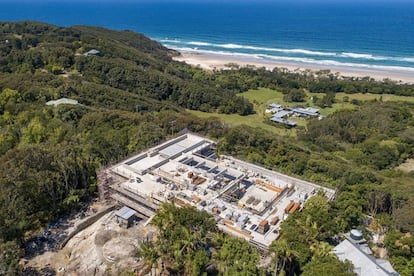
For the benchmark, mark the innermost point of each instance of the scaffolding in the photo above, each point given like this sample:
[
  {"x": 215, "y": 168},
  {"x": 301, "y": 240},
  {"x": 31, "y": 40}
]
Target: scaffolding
[{"x": 104, "y": 180}]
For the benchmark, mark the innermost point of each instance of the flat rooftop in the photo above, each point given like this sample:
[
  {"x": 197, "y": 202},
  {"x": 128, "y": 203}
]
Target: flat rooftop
[
  {"x": 125, "y": 213},
  {"x": 240, "y": 195}
]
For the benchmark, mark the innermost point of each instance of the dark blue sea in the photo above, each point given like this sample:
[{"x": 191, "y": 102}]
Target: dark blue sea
[{"x": 370, "y": 35}]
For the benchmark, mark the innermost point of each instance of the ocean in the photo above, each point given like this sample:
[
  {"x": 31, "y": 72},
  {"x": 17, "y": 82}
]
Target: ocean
[{"x": 370, "y": 35}]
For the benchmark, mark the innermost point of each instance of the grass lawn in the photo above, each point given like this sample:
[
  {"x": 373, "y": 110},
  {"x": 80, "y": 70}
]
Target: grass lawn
[
  {"x": 370, "y": 97},
  {"x": 262, "y": 97},
  {"x": 254, "y": 120}
]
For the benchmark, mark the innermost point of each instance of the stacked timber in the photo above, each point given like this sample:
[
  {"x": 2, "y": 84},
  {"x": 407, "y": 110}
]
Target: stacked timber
[
  {"x": 289, "y": 206},
  {"x": 274, "y": 220},
  {"x": 294, "y": 208}
]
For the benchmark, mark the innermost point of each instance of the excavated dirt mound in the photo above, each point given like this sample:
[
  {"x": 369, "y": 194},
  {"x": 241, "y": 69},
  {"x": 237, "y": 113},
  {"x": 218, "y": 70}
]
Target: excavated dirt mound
[
  {"x": 104, "y": 236},
  {"x": 103, "y": 248},
  {"x": 119, "y": 249}
]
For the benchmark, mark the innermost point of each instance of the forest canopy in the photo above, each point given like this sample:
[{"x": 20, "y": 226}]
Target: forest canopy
[{"x": 132, "y": 95}]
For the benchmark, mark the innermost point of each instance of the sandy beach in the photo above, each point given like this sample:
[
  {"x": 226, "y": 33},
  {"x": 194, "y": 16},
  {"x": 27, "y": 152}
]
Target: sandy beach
[{"x": 211, "y": 61}]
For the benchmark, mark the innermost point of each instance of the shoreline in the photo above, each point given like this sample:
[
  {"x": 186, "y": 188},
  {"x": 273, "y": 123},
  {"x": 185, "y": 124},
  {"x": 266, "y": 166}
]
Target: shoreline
[{"x": 212, "y": 61}]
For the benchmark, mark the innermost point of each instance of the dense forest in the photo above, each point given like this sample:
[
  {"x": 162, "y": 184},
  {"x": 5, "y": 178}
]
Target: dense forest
[{"x": 133, "y": 95}]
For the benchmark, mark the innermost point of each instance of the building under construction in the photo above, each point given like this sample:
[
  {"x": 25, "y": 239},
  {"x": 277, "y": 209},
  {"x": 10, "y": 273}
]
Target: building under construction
[{"x": 248, "y": 201}]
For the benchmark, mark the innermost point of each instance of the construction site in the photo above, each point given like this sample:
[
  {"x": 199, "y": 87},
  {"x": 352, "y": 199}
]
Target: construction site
[{"x": 246, "y": 200}]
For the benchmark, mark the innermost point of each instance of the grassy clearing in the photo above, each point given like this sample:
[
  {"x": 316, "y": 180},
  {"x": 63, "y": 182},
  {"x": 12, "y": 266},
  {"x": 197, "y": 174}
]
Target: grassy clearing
[
  {"x": 370, "y": 97},
  {"x": 254, "y": 120},
  {"x": 262, "y": 97}
]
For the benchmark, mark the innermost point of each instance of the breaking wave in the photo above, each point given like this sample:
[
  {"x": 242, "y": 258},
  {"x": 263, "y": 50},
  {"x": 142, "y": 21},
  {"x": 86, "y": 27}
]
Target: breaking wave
[
  {"x": 299, "y": 60},
  {"x": 296, "y": 55}
]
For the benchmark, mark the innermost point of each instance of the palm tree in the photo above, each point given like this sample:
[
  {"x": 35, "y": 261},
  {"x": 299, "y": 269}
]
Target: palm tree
[
  {"x": 283, "y": 254},
  {"x": 321, "y": 249},
  {"x": 164, "y": 218},
  {"x": 310, "y": 229},
  {"x": 149, "y": 253}
]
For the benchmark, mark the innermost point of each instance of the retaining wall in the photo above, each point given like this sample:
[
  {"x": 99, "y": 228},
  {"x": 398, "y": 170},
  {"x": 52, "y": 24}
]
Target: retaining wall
[{"x": 86, "y": 223}]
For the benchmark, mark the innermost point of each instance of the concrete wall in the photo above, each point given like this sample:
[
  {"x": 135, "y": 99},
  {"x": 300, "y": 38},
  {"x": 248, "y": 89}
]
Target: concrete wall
[{"x": 86, "y": 223}]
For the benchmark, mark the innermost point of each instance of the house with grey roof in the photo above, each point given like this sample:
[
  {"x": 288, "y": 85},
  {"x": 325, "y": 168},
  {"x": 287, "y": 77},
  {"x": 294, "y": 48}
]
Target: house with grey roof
[
  {"x": 355, "y": 249},
  {"x": 283, "y": 121},
  {"x": 305, "y": 112},
  {"x": 273, "y": 108},
  {"x": 92, "y": 52},
  {"x": 62, "y": 101}
]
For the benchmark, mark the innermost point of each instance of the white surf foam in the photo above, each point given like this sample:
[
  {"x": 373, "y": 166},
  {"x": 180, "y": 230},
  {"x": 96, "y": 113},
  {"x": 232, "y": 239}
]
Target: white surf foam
[
  {"x": 301, "y": 60},
  {"x": 308, "y": 53},
  {"x": 256, "y": 48}
]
